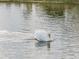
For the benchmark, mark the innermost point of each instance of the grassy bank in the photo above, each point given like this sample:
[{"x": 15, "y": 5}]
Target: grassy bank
[{"x": 25, "y": 1}]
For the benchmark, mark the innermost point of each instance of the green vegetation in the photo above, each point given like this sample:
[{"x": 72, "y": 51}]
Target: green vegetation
[{"x": 43, "y": 1}]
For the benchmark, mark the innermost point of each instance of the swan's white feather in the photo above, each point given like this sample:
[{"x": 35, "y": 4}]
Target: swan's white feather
[{"x": 41, "y": 35}]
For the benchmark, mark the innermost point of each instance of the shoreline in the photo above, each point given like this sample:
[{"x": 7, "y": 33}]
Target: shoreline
[{"x": 37, "y": 2}]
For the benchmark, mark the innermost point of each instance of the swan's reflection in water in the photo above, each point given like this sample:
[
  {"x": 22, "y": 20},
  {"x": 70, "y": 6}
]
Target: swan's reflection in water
[{"x": 42, "y": 44}]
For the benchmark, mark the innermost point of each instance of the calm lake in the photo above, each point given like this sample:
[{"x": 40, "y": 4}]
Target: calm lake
[{"x": 19, "y": 21}]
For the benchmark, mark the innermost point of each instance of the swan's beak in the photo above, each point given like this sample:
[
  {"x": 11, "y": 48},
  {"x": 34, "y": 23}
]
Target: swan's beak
[{"x": 49, "y": 35}]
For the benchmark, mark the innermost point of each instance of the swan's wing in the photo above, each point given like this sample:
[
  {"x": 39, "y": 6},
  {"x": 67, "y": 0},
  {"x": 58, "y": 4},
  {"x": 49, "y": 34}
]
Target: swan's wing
[{"x": 41, "y": 36}]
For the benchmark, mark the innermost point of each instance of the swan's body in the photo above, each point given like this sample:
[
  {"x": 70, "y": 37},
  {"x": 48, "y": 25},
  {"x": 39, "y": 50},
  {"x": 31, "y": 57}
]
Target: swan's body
[{"x": 42, "y": 35}]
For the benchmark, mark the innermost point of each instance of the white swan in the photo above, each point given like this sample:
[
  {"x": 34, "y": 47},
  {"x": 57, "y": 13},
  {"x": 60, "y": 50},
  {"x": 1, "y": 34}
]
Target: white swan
[{"x": 42, "y": 35}]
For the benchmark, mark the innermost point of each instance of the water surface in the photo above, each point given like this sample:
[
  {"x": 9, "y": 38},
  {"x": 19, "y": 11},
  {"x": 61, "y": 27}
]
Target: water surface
[{"x": 18, "y": 22}]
